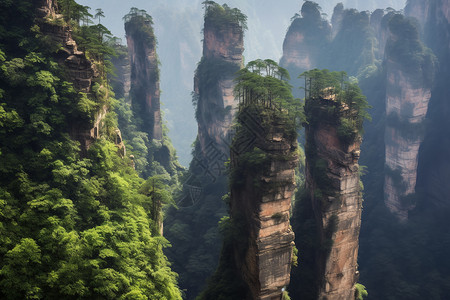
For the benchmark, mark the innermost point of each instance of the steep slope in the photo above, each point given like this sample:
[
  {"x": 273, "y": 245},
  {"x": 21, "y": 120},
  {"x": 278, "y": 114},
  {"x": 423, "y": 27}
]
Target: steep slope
[
  {"x": 75, "y": 221},
  {"x": 261, "y": 195},
  {"x": 81, "y": 71},
  {"x": 145, "y": 92}
]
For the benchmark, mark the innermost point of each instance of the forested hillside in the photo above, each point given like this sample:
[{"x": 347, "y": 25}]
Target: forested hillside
[{"x": 75, "y": 217}]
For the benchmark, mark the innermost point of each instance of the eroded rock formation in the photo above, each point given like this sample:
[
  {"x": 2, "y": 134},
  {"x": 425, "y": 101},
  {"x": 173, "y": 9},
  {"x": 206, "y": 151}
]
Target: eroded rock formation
[
  {"x": 408, "y": 91},
  {"x": 144, "y": 91},
  {"x": 196, "y": 246},
  {"x": 80, "y": 70},
  {"x": 223, "y": 46},
  {"x": 332, "y": 181},
  {"x": 261, "y": 193},
  {"x": 307, "y": 37}
]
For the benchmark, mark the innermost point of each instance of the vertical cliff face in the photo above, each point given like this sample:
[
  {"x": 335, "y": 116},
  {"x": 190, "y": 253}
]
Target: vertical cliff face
[
  {"x": 193, "y": 229},
  {"x": 338, "y": 209},
  {"x": 121, "y": 83},
  {"x": 332, "y": 197},
  {"x": 261, "y": 192},
  {"x": 305, "y": 41},
  {"x": 213, "y": 83},
  {"x": 409, "y": 74},
  {"x": 434, "y": 161},
  {"x": 145, "y": 91}
]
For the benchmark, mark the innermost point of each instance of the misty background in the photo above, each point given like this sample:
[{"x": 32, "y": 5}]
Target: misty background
[{"x": 178, "y": 27}]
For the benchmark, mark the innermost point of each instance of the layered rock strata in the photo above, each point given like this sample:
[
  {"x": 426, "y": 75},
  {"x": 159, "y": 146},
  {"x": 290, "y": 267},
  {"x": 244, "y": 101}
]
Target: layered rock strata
[
  {"x": 260, "y": 203},
  {"x": 144, "y": 73},
  {"x": 307, "y": 37},
  {"x": 408, "y": 91},
  {"x": 332, "y": 180},
  {"x": 223, "y": 46}
]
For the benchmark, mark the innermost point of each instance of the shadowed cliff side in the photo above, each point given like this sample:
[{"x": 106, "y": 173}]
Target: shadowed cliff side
[
  {"x": 434, "y": 17},
  {"x": 258, "y": 249},
  {"x": 139, "y": 108},
  {"x": 410, "y": 68},
  {"x": 193, "y": 228}
]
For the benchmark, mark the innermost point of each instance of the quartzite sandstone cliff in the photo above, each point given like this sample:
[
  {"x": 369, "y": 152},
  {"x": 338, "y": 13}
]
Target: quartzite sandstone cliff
[
  {"x": 144, "y": 91},
  {"x": 408, "y": 91},
  {"x": 337, "y": 203},
  {"x": 261, "y": 198},
  {"x": 223, "y": 46}
]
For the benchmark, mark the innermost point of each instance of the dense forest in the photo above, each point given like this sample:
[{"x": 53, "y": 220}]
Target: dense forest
[{"x": 320, "y": 174}]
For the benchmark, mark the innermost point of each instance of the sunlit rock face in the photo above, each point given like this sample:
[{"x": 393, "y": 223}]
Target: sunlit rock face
[
  {"x": 338, "y": 210},
  {"x": 296, "y": 52},
  {"x": 213, "y": 84},
  {"x": 80, "y": 70},
  {"x": 261, "y": 203},
  {"x": 409, "y": 74},
  {"x": 144, "y": 74}
]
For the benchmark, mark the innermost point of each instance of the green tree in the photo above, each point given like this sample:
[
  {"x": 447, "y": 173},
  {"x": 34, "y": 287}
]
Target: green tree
[{"x": 99, "y": 14}]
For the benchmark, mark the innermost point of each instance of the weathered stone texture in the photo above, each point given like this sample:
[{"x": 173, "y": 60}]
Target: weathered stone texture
[
  {"x": 407, "y": 98},
  {"x": 337, "y": 269},
  {"x": 263, "y": 204},
  {"x": 217, "y": 105},
  {"x": 145, "y": 75}
]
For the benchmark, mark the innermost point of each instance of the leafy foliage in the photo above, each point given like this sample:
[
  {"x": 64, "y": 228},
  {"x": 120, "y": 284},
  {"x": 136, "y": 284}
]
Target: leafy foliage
[
  {"x": 263, "y": 83},
  {"x": 360, "y": 291},
  {"x": 70, "y": 226},
  {"x": 347, "y": 106},
  {"x": 223, "y": 15}
]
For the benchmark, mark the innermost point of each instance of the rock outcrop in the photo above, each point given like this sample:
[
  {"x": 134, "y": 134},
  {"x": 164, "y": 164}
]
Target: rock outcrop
[
  {"x": 80, "y": 70},
  {"x": 408, "y": 91},
  {"x": 307, "y": 37},
  {"x": 193, "y": 229},
  {"x": 262, "y": 185},
  {"x": 223, "y": 46},
  {"x": 144, "y": 91},
  {"x": 332, "y": 182}
]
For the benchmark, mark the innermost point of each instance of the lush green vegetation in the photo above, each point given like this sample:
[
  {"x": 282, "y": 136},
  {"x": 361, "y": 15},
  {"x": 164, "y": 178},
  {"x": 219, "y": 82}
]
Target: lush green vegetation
[
  {"x": 219, "y": 16},
  {"x": 70, "y": 226},
  {"x": 345, "y": 104}
]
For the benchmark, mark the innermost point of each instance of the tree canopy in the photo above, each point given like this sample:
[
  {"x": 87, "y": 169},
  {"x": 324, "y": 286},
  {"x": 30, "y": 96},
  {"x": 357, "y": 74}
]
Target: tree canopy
[{"x": 223, "y": 15}]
